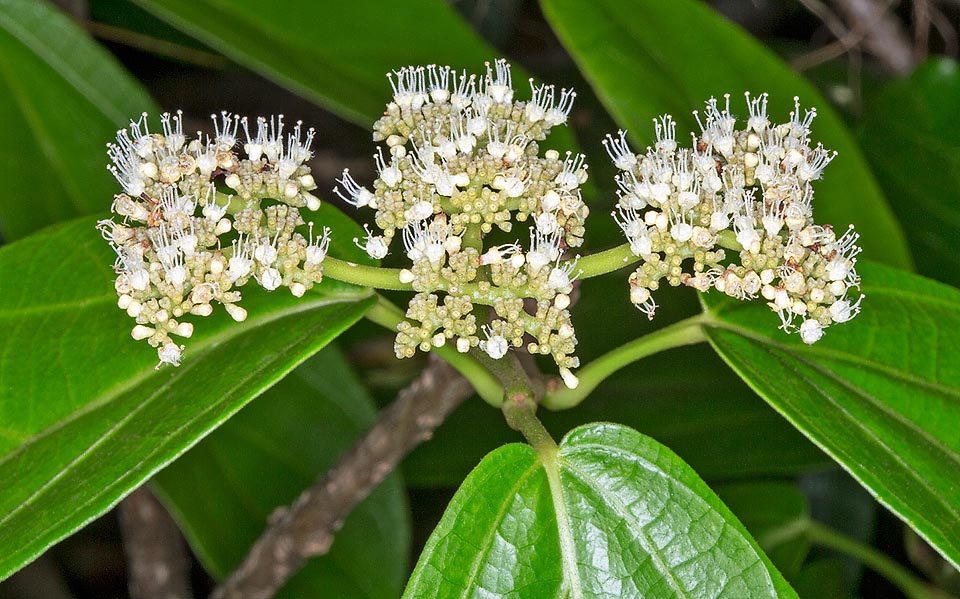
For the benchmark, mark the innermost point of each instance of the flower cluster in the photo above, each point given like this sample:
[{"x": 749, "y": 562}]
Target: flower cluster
[
  {"x": 747, "y": 189},
  {"x": 462, "y": 161},
  {"x": 183, "y": 244}
]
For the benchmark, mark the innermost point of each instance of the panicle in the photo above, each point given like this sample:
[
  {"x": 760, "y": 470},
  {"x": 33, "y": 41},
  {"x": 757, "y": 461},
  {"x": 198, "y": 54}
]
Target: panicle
[
  {"x": 738, "y": 205},
  {"x": 183, "y": 246},
  {"x": 461, "y": 160}
]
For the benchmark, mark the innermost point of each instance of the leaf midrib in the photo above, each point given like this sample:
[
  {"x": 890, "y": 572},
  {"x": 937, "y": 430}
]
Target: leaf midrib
[
  {"x": 568, "y": 549},
  {"x": 830, "y": 451}
]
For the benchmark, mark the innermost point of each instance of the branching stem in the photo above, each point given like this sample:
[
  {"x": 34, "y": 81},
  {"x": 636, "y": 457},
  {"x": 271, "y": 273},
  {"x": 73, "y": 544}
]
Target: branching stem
[
  {"x": 387, "y": 315},
  {"x": 685, "y": 332},
  {"x": 912, "y": 587},
  {"x": 363, "y": 275}
]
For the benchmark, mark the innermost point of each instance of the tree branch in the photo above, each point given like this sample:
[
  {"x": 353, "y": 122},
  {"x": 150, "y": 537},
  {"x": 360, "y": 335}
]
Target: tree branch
[
  {"x": 307, "y": 527},
  {"x": 885, "y": 37},
  {"x": 158, "y": 564}
]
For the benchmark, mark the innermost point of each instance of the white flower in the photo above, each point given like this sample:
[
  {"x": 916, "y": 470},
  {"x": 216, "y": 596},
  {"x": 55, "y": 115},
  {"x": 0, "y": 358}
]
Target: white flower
[
  {"x": 495, "y": 345},
  {"x": 170, "y": 353},
  {"x": 811, "y": 331},
  {"x": 374, "y": 245},
  {"x": 317, "y": 249}
]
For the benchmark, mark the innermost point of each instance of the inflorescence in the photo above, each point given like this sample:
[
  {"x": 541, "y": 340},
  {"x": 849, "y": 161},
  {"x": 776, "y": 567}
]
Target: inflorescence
[
  {"x": 746, "y": 189},
  {"x": 462, "y": 161},
  {"x": 183, "y": 244},
  {"x": 459, "y": 175}
]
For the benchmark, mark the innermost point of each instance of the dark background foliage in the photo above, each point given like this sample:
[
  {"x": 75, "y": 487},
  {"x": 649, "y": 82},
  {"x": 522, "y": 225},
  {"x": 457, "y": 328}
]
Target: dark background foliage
[{"x": 864, "y": 83}]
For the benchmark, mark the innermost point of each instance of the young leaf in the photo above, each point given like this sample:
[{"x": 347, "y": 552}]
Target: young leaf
[
  {"x": 85, "y": 417},
  {"x": 880, "y": 394},
  {"x": 671, "y": 56},
  {"x": 612, "y": 513},
  {"x": 912, "y": 137},
  {"x": 224, "y": 489},
  {"x": 62, "y": 97}
]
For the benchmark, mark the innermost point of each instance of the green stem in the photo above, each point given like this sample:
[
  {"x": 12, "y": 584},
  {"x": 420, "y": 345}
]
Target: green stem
[
  {"x": 365, "y": 276},
  {"x": 473, "y": 237},
  {"x": 728, "y": 240},
  {"x": 606, "y": 261},
  {"x": 389, "y": 278},
  {"x": 520, "y": 410},
  {"x": 912, "y": 587},
  {"x": 685, "y": 332},
  {"x": 484, "y": 382}
]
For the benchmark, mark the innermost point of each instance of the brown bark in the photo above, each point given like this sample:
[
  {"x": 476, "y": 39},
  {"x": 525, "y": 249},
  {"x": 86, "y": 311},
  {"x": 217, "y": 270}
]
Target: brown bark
[
  {"x": 307, "y": 527},
  {"x": 158, "y": 564}
]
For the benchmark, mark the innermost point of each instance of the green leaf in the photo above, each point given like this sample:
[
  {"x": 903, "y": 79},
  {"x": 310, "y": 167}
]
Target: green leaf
[
  {"x": 776, "y": 514},
  {"x": 84, "y": 417},
  {"x": 648, "y": 57},
  {"x": 880, "y": 394},
  {"x": 611, "y": 514},
  {"x": 911, "y": 136},
  {"x": 62, "y": 98},
  {"x": 334, "y": 54},
  {"x": 224, "y": 489}
]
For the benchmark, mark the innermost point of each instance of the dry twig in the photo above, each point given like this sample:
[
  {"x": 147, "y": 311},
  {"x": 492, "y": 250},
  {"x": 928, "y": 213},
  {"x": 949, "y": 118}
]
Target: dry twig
[
  {"x": 307, "y": 527},
  {"x": 158, "y": 564}
]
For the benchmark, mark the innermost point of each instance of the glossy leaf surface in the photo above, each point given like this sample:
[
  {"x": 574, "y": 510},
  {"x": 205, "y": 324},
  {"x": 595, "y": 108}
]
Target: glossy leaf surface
[
  {"x": 224, "y": 489},
  {"x": 85, "y": 417},
  {"x": 879, "y": 394},
  {"x": 611, "y": 514},
  {"x": 62, "y": 97},
  {"x": 622, "y": 48}
]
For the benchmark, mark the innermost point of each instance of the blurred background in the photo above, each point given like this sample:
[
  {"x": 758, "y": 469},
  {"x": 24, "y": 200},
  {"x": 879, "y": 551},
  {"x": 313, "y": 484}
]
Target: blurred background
[{"x": 861, "y": 54}]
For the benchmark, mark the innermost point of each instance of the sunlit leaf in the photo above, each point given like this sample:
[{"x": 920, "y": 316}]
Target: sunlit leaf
[{"x": 612, "y": 513}]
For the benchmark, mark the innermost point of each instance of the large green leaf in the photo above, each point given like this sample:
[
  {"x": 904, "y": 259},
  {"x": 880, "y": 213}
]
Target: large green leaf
[
  {"x": 224, "y": 489},
  {"x": 611, "y": 514},
  {"x": 84, "y": 417},
  {"x": 880, "y": 394},
  {"x": 62, "y": 98},
  {"x": 334, "y": 54},
  {"x": 911, "y": 135},
  {"x": 648, "y": 57}
]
